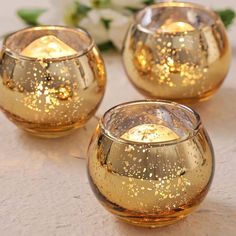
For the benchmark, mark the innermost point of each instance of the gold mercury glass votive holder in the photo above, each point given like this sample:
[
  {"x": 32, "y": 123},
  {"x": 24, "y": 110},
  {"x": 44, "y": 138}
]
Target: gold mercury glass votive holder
[
  {"x": 52, "y": 79},
  {"x": 150, "y": 163},
  {"x": 177, "y": 51}
]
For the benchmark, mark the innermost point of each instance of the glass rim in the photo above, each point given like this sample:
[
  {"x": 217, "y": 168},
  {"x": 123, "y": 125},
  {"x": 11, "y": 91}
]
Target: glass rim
[
  {"x": 203, "y": 8},
  {"x": 193, "y": 132},
  {"x": 79, "y": 53}
]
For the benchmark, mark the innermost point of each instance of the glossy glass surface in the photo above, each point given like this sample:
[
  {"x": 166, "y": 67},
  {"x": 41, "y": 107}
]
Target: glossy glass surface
[
  {"x": 150, "y": 163},
  {"x": 52, "y": 79},
  {"x": 177, "y": 51}
]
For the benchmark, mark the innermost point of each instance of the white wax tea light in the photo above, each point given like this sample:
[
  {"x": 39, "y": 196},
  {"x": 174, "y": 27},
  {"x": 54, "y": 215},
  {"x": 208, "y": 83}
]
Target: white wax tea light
[
  {"x": 150, "y": 133},
  {"x": 176, "y": 27},
  {"x": 48, "y": 46}
]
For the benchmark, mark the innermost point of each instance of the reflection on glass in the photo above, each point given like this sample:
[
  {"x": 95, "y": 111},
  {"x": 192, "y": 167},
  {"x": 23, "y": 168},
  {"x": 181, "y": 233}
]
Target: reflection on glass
[
  {"x": 150, "y": 162},
  {"x": 52, "y": 79},
  {"x": 177, "y": 51}
]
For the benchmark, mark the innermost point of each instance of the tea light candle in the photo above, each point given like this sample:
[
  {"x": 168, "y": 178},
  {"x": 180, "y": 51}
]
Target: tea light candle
[
  {"x": 148, "y": 133},
  {"x": 176, "y": 27},
  {"x": 46, "y": 47}
]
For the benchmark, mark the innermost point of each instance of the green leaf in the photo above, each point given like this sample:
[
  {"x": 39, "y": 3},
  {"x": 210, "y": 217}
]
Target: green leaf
[
  {"x": 148, "y": 2},
  {"x": 82, "y": 9},
  {"x": 106, "y": 46},
  {"x": 136, "y": 9},
  {"x": 227, "y": 16},
  {"x": 30, "y": 16},
  {"x": 133, "y": 9},
  {"x": 101, "y": 3},
  {"x": 75, "y": 13},
  {"x": 106, "y": 23}
]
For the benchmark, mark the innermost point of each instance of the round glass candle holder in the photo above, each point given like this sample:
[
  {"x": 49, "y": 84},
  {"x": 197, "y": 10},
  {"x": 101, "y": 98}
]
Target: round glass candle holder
[
  {"x": 150, "y": 163},
  {"x": 52, "y": 79},
  {"x": 177, "y": 51}
]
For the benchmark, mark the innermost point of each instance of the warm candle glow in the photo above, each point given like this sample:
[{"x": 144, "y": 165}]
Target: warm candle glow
[
  {"x": 178, "y": 26},
  {"x": 150, "y": 133},
  {"x": 48, "y": 46}
]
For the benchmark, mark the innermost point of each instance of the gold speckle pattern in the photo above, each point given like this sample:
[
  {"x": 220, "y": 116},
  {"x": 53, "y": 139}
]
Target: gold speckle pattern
[
  {"x": 56, "y": 92},
  {"x": 156, "y": 182},
  {"x": 177, "y": 51}
]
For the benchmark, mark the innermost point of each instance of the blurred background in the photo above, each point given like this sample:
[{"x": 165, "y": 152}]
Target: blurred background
[{"x": 9, "y": 21}]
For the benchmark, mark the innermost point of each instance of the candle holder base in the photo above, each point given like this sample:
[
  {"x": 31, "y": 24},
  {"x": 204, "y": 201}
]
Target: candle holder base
[
  {"x": 151, "y": 223},
  {"x": 155, "y": 220},
  {"x": 43, "y": 130},
  {"x": 187, "y": 101},
  {"x": 51, "y": 134}
]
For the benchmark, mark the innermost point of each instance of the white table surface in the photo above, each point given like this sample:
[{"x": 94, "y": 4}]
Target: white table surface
[{"x": 44, "y": 186}]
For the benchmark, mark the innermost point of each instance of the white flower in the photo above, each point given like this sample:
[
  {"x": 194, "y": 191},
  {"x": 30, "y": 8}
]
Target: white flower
[
  {"x": 87, "y": 3},
  {"x": 93, "y": 24},
  {"x": 118, "y": 26},
  {"x": 118, "y": 29},
  {"x": 117, "y": 18},
  {"x": 55, "y": 15}
]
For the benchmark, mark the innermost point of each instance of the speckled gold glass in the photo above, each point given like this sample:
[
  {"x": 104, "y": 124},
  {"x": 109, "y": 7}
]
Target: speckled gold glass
[
  {"x": 177, "y": 51},
  {"x": 150, "y": 163},
  {"x": 52, "y": 79}
]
